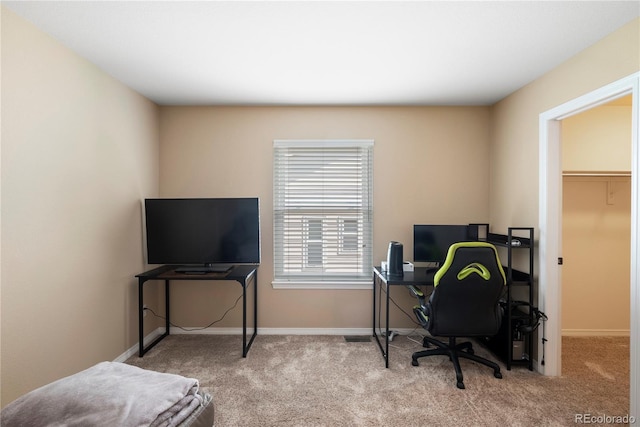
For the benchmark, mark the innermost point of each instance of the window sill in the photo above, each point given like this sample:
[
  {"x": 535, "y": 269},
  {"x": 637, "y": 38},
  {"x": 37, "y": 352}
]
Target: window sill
[{"x": 303, "y": 284}]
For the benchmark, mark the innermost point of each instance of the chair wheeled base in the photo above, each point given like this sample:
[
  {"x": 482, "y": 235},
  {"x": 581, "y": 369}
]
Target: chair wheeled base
[{"x": 454, "y": 351}]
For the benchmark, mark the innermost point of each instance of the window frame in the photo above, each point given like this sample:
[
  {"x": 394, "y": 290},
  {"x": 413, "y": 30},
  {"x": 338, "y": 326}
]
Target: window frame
[{"x": 359, "y": 213}]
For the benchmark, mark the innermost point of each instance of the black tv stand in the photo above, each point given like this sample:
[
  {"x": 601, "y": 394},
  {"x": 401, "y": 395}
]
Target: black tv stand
[{"x": 245, "y": 275}]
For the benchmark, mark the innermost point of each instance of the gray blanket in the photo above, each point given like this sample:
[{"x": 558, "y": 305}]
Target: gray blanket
[{"x": 107, "y": 394}]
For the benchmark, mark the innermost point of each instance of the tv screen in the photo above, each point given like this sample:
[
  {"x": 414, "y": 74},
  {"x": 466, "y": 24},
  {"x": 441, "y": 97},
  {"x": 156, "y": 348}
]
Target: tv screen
[
  {"x": 203, "y": 231},
  {"x": 431, "y": 242}
]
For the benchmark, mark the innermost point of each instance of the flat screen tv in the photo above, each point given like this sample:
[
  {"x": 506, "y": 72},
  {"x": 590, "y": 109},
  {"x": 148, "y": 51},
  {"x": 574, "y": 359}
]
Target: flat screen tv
[
  {"x": 431, "y": 242},
  {"x": 203, "y": 232}
]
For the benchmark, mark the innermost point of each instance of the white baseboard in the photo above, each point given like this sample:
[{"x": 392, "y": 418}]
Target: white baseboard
[
  {"x": 134, "y": 349},
  {"x": 596, "y": 332}
]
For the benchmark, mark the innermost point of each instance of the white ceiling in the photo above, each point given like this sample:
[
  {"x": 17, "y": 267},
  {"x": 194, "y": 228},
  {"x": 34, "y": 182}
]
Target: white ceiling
[{"x": 327, "y": 53}]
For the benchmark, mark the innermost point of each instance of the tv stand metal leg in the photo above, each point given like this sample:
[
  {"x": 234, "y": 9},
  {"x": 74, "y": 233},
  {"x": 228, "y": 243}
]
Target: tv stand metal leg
[
  {"x": 141, "y": 348},
  {"x": 253, "y": 277}
]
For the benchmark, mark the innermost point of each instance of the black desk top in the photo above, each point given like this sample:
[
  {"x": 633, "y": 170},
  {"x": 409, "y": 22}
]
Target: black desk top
[
  {"x": 168, "y": 272},
  {"x": 420, "y": 276}
]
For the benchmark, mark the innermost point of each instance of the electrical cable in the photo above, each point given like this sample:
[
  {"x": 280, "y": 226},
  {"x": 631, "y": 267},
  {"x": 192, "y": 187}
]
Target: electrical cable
[
  {"x": 539, "y": 317},
  {"x": 198, "y": 328},
  {"x": 415, "y": 330},
  {"x": 544, "y": 331},
  {"x": 537, "y": 314},
  {"x": 418, "y": 325},
  {"x": 409, "y": 316}
]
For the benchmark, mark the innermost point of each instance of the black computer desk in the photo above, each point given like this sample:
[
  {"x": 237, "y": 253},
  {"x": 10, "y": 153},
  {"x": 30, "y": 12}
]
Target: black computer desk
[
  {"x": 245, "y": 275},
  {"x": 421, "y": 276}
]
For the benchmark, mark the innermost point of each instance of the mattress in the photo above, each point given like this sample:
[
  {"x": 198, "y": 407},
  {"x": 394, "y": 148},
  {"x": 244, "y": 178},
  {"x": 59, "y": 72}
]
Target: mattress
[{"x": 202, "y": 416}]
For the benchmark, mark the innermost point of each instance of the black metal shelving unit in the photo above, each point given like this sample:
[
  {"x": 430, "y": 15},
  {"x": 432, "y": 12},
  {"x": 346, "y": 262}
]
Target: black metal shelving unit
[{"x": 511, "y": 344}]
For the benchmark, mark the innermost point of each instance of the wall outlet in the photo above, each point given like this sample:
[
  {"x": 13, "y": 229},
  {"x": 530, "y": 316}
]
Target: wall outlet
[{"x": 144, "y": 310}]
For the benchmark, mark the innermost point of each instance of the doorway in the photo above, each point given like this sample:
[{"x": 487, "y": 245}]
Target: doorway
[
  {"x": 596, "y": 234},
  {"x": 550, "y": 218},
  {"x": 596, "y": 219}
]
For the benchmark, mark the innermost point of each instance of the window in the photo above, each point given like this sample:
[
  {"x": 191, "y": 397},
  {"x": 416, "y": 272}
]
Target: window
[{"x": 322, "y": 196}]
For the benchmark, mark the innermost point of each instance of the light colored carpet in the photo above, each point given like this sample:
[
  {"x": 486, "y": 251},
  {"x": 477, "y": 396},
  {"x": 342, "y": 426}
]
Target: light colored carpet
[{"x": 326, "y": 381}]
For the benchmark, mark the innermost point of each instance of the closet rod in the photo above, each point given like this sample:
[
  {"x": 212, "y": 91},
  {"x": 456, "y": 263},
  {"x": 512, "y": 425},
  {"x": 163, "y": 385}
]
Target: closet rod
[{"x": 596, "y": 173}]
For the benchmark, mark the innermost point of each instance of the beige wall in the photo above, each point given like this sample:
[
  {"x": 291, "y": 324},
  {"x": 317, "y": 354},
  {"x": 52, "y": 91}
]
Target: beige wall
[
  {"x": 598, "y": 139},
  {"x": 595, "y": 244},
  {"x": 79, "y": 152},
  {"x": 514, "y": 146},
  {"x": 431, "y": 165}
]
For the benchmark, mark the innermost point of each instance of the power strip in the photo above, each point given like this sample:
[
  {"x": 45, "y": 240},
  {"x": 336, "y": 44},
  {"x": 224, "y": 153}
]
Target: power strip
[{"x": 392, "y": 334}]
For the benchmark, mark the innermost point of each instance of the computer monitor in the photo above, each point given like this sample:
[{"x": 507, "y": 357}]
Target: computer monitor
[{"x": 431, "y": 242}]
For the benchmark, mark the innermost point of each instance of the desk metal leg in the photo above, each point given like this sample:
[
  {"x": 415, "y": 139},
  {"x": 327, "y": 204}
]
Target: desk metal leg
[
  {"x": 385, "y": 350},
  {"x": 373, "y": 331},
  {"x": 386, "y": 335}
]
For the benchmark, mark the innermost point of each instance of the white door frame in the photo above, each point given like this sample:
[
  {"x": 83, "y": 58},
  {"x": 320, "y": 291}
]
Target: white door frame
[{"x": 550, "y": 226}]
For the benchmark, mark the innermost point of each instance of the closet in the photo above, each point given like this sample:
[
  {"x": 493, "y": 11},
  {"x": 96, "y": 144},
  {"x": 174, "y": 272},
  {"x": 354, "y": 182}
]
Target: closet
[{"x": 596, "y": 152}]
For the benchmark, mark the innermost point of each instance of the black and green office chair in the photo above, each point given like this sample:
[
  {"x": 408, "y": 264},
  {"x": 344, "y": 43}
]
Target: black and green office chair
[{"x": 464, "y": 303}]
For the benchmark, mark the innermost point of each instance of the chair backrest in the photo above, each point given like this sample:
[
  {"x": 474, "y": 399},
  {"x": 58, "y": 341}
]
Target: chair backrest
[{"x": 468, "y": 287}]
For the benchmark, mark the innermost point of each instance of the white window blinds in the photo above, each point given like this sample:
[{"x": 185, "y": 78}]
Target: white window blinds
[{"x": 323, "y": 210}]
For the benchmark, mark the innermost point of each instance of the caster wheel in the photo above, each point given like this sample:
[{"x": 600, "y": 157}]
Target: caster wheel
[
  {"x": 497, "y": 374},
  {"x": 414, "y": 362}
]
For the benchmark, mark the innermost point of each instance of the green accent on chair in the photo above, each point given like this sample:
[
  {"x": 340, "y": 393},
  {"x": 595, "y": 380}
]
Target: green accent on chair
[
  {"x": 417, "y": 292},
  {"x": 422, "y": 317},
  {"x": 474, "y": 267}
]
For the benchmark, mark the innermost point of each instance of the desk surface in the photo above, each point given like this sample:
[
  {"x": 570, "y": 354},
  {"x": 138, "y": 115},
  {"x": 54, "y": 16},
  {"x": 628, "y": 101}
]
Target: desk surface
[
  {"x": 420, "y": 276},
  {"x": 167, "y": 272}
]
